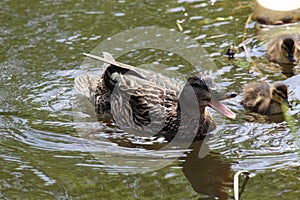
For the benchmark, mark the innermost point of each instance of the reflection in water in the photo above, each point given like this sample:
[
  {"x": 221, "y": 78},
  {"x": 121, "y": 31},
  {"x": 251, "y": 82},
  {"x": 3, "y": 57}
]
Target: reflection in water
[
  {"x": 210, "y": 175},
  {"x": 288, "y": 70},
  {"x": 255, "y": 117}
]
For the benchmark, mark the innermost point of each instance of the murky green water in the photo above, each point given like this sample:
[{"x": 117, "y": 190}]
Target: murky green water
[{"x": 42, "y": 154}]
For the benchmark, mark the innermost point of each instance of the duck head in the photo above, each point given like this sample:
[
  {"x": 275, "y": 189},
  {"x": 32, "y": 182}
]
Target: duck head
[
  {"x": 206, "y": 92},
  {"x": 279, "y": 93},
  {"x": 288, "y": 49}
]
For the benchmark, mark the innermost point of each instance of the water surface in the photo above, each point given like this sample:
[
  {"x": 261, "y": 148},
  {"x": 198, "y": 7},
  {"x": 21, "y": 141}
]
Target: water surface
[{"x": 42, "y": 153}]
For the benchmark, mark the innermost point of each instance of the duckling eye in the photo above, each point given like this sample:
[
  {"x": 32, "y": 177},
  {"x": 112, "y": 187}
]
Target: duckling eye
[
  {"x": 288, "y": 45},
  {"x": 259, "y": 104},
  {"x": 288, "y": 51},
  {"x": 279, "y": 95}
]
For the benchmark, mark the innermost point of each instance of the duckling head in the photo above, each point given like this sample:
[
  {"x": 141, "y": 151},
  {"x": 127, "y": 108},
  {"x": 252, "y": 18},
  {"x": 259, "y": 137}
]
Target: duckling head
[
  {"x": 288, "y": 48},
  {"x": 279, "y": 93},
  {"x": 206, "y": 92}
]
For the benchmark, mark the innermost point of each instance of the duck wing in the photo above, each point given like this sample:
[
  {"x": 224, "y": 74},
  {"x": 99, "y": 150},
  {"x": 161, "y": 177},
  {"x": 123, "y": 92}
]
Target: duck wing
[
  {"x": 138, "y": 99},
  {"x": 140, "y": 105},
  {"x": 86, "y": 84}
]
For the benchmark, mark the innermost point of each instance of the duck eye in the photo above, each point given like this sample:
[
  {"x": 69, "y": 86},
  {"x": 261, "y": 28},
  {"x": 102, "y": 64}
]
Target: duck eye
[
  {"x": 259, "y": 104},
  {"x": 286, "y": 49},
  {"x": 280, "y": 95}
]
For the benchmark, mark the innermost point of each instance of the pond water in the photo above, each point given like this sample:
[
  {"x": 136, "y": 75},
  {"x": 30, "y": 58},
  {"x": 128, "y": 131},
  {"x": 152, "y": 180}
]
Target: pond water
[{"x": 49, "y": 150}]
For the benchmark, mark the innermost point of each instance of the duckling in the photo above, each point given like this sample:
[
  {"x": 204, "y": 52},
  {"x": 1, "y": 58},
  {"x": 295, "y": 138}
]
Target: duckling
[
  {"x": 262, "y": 98},
  {"x": 284, "y": 49},
  {"x": 141, "y": 101}
]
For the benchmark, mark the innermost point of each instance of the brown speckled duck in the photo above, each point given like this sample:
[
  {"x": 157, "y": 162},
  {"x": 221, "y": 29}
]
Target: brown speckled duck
[
  {"x": 284, "y": 49},
  {"x": 146, "y": 102},
  {"x": 262, "y": 98}
]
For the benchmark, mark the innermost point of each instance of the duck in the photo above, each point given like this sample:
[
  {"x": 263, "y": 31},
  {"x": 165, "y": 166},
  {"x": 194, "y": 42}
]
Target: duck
[
  {"x": 284, "y": 49},
  {"x": 263, "y": 98},
  {"x": 145, "y": 102}
]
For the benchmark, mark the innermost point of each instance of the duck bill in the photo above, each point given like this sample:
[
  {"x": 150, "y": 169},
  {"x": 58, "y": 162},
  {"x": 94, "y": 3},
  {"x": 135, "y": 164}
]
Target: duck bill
[
  {"x": 228, "y": 96},
  {"x": 288, "y": 103},
  {"x": 291, "y": 57},
  {"x": 219, "y": 107}
]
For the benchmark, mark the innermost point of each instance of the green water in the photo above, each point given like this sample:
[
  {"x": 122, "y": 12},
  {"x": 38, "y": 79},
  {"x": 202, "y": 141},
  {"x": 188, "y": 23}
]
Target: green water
[{"x": 42, "y": 153}]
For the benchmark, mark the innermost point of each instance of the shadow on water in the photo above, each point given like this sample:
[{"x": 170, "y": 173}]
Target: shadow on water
[{"x": 210, "y": 175}]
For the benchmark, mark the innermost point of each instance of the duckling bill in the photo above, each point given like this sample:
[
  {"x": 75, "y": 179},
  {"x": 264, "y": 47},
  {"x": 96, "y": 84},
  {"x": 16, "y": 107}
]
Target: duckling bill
[
  {"x": 260, "y": 97},
  {"x": 284, "y": 49},
  {"x": 147, "y": 102}
]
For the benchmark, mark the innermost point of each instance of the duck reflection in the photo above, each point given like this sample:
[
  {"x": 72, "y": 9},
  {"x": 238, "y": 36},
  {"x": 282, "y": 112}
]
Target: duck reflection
[
  {"x": 210, "y": 175},
  {"x": 255, "y": 117},
  {"x": 288, "y": 70}
]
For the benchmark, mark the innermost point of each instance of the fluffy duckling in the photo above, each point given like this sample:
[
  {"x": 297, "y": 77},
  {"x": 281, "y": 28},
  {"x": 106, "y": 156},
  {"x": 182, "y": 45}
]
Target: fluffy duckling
[
  {"x": 284, "y": 49},
  {"x": 262, "y": 98},
  {"x": 145, "y": 102}
]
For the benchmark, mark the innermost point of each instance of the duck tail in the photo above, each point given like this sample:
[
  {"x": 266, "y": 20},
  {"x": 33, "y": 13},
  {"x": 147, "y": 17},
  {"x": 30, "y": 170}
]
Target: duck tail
[{"x": 85, "y": 84}]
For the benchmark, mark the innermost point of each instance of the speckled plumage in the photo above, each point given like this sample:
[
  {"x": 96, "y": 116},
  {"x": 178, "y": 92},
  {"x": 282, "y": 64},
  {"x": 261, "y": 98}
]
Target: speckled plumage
[
  {"x": 148, "y": 103},
  {"x": 260, "y": 97}
]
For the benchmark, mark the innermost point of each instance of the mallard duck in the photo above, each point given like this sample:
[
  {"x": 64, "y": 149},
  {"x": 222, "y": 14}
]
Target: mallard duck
[
  {"x": 284, "y": 49},
  {"x": 141, "y": 101},
  {"x": 262, "y": 98}
]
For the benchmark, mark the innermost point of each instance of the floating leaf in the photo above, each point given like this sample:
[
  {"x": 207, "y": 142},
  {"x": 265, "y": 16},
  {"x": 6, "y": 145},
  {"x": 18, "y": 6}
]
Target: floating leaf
[{"x": 242, "y": 64}]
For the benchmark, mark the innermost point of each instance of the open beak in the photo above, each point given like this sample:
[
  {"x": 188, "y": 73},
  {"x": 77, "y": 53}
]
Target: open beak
[
  {"x": 221, "y": 97},
  {"x": 219, "y": 107}
]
